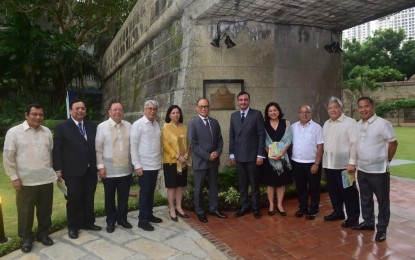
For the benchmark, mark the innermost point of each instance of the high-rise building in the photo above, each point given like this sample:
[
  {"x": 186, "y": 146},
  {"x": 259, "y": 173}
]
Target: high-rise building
[{"x": 404, "y": 19}]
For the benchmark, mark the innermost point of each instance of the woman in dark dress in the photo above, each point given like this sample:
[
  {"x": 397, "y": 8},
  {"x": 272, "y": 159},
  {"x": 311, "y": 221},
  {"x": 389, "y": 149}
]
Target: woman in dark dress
[{"x": 275, "y": 172}]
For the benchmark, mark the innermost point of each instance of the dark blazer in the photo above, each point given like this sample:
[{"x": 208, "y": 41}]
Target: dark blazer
[
  {"x": 201, "y": 142},
  {"x": 72, "y": 154},
  {"x": 247, "y": 139}
]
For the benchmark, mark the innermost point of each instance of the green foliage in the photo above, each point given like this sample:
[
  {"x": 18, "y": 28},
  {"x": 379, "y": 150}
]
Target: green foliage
[
  {"x": 383, "y": 57},
  {"x": 383, "y": 108},
  {"x": 228, "y": 178}
]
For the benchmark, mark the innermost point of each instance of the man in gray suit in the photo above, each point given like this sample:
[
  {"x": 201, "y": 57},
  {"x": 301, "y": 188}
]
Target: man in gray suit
[
  {"x": 246, "y": 151},
  {"x": 205, "y": 139}
]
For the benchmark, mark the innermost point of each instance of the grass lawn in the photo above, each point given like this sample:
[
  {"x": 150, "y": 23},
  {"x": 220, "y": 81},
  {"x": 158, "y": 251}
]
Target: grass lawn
[{"x": 406, "y": 151}]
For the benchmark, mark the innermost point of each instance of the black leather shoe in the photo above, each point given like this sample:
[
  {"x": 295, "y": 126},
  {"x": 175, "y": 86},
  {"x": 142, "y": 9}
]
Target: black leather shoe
[
  {"x": 93, "y": 227},
  {"x": 45, "y": 240},
  {"x": 26, "y": 246},
  {"x": 218, "y": 214},
  {"x": 348, "y": 223},
  {"x": 282, "y": 213},
  {"x": 154, "y": 219},
  {"x": 73, "y": 234},
  {"x": 300, "y": 213},
  {"x": 257, "y": 213},
  {"x": 271, "y": 213},
  {"x": 175, "y": 219},
  {"x": 125, "y": 224},
  {"x": 202, "y": 218},
  {"x": 311, "y": 216},
  {"x": 363, "y": 226},
  {"x": 241, "y": 212},
  {"x": 110, "y": 228},
  {"x": 145, "y": 226},
  {"x": 184, "y": 215},
  {"x": 333, "y": 217},
  {"x": 380, "y": 236}
]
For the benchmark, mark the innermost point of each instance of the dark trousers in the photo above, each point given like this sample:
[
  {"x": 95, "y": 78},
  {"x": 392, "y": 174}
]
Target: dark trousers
[
  {"x": 199, "y": 177},
  {"x": 378, "y": 184},
  {"x": 303, "y": 178},
  {"x": 339, "y": 196},
  {"x": 29, "y": 198},
  {"x": 80, "y": 200},
  {"x": 248, "y": 174},
  {"x": 120, "y": 187},
  {"x": 147, "y": 183}
]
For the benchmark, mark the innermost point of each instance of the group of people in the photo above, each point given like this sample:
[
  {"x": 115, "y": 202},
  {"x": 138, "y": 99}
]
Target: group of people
[{"x": 270, "y": 152}]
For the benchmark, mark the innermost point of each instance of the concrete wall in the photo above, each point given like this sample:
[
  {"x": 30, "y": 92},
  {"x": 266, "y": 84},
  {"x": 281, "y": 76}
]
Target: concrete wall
[{"x": 287, "y": 64}]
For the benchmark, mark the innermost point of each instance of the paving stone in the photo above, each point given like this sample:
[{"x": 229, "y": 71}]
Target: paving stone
[
  {"x": 63, "y": 251},
  {"x": 106, "y": 250},
  {"x": 185, "y": 244},
  {"x": 151, "y": 249}
]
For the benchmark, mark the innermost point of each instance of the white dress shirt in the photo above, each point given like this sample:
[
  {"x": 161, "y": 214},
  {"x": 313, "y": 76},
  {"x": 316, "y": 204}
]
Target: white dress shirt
[
  {"x": 27, "y": 155},
  {"x": 145, "y": 141},
  {"x": 112, "y": 145},
  {"x": 339, "y": 143},
  {"x": 305, "y": 140},
  {"x": 373, "y": 137}
]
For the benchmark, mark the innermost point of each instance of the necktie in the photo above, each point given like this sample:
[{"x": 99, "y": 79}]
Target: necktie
[
  {"x": 81, "y": 129},
  {"x": 207, "y": 124},
  {"x": 242, "y": 116}
]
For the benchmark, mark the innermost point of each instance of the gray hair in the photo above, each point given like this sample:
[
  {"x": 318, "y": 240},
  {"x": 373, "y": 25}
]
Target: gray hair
[
  {"x": 306, "y": 106},
  {"x": 151, "y": 102},
  {"x": 335, "y": 100}
]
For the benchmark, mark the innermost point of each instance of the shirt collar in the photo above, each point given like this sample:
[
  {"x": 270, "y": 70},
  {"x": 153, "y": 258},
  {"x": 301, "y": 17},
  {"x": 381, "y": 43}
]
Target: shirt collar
[
  {"x": 27, "y": 127},
  {"x": 113, "y": 123},
  {"x": 340, "y": 119},
  {"x": 76, "y": 122},
  {"x": 373, "y": 118},
  {"x": 203, "y": 118},
  {"x": 246, "y": 111}
]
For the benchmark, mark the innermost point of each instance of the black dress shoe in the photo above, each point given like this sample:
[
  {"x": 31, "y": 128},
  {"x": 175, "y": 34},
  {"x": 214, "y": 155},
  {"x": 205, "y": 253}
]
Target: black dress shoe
[
  {"x": 257, "y": 213},
  {"x": 45, "y": 240},
  {"x": 184, "y": 215},
  {"x": 154, "y": 219},
  {"x": 380, "y": 236},
  {"x": 125, "y": 224},
  {"x": 311, "y": 216},
  {"x": 93, "y": 227},
  {"x": 175, "y": 219},
  {"x": 202, "y": 218},
  {"x": 282, "y": 213},
  {"x": 73, "y": 234},
  {"x": 349, "y": 223},
  {"x": 241, "y": 212},
  {"x": 300, "y": 213},
  {"x": 363, "y": 226},
  {"x": 333, "y": 216},
  {"x": 218, "y": 214},
  {"x": 110, "y": 228},
  {"x": 26, "y": 246},
  {"x": 271, "y": 213},
  {"x": 145, "y": 226}
]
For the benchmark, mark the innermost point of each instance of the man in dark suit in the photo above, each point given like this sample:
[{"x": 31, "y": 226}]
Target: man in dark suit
[
  {"x": 205, "y": 139},
  {"x": 246, "y": 151},
  {"x": 74, "y": 159}
]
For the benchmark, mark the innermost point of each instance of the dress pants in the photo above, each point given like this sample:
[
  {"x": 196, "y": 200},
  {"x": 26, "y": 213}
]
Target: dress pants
[
  {"x": 248, "y": 173},
  {"x": 302, "y": 177},
  {"x": 147, "y": 183},
  {"x": 378, "y": 184},
  {"x": 339, "y": 196},
  {"x": 29, "y": 198},
  {"x": 199, "y": 177},
  {"x": 80, "y": 200},
  {"x": 120, "y": 187}
]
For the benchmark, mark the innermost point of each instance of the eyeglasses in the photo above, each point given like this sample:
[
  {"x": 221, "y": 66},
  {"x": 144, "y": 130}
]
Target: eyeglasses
[
  {"x": 203, "y": 107},
  {"x": 152, "y": 109},
  {"x": 37, "y": 114},
  {"x": 116, "y": 110},
  {"x": 304, "y": 113}
]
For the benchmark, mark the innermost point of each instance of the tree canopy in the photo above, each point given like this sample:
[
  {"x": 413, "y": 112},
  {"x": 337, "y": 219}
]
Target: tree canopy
[
  {"x": 46, "y": 44},
  {"x": 383, "y": 57}
]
